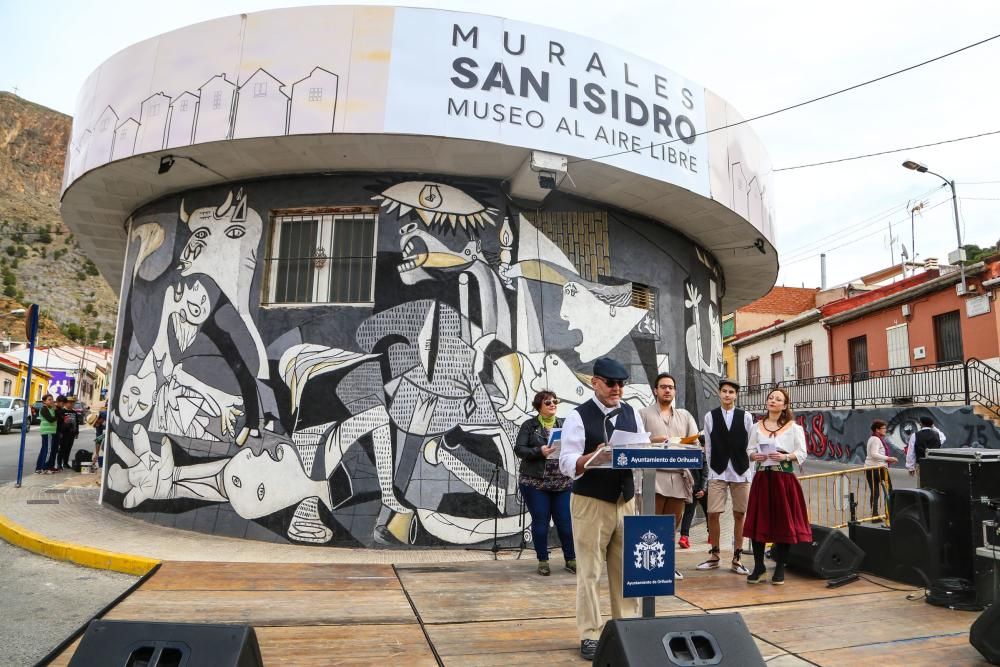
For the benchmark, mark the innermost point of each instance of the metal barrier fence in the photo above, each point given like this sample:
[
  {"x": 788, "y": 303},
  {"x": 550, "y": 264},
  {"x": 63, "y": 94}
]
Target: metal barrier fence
[
  {"x": 829, "y": 495},
  {"x": 971, "y": 381}
]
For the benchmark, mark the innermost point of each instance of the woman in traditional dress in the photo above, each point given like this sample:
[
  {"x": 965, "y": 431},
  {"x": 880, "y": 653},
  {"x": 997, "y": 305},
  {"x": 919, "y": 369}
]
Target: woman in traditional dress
[
  {"x": 777, "y": 509},
  {"x": 879, "y": 457}
]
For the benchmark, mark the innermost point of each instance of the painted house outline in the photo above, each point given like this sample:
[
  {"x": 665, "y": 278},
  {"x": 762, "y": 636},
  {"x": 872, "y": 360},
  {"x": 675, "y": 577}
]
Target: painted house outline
[
  {"x": 153, "y": 116},
  {"x": 183, "y": 114},
  {"x": 261, "y": 107},
  {"x": 314, "y": 103},
  {"x": 216, "y": 105}
]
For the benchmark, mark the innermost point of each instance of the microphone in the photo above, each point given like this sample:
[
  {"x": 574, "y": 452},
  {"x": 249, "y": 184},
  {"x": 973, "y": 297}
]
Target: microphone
[{"x": 607, "y": 418}]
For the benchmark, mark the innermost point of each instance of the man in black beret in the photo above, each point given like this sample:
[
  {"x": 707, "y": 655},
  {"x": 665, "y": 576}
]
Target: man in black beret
[{"x": 600, "y": 500}]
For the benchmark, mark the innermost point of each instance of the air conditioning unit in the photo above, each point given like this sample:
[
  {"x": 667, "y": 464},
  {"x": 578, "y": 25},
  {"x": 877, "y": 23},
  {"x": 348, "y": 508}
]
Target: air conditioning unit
[{"x": 906, "y": 310}]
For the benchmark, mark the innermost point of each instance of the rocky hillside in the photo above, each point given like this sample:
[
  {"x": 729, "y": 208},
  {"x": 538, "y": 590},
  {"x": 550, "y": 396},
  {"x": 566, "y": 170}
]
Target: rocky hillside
[{"x": 40, "y": 261}]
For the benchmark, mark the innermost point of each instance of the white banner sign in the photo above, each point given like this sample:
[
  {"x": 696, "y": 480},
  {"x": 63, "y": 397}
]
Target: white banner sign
[{"x": 490, "y": 79}]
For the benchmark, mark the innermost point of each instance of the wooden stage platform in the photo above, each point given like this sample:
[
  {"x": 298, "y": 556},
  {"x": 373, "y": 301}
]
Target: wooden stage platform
[{"x": 502, "y": 613}]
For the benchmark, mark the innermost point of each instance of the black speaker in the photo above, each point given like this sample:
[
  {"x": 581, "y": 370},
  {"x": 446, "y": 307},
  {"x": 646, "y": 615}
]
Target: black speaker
[
  {"x": 985, "y": 634},
  {"x": 709, "y": 639},
  {"x": 140, "y": 644},
  {"x": 831, "y": 554},
  {"x": 963, "y": 478},
  {"x": 876, "y": 542},
  {"x": 920, "y": 536}
]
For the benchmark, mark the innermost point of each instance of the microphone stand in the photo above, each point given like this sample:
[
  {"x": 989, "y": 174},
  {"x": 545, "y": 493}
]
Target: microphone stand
[{"x": 495, "y": 547}]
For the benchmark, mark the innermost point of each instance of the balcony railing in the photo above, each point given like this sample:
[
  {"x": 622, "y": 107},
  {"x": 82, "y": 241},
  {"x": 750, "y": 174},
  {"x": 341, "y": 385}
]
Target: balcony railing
[{"x": 969, "y": 382}]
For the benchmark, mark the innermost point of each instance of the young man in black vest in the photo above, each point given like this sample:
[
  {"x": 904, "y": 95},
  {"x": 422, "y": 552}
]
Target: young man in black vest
[
  {"x": 727, "y": 433},
  {"x": 600, "y": 500},
  {"x": 927, "y": 437}
]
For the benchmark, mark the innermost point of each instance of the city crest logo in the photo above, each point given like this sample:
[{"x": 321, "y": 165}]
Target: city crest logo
[
  {"x": 649, "y": 552},
  {"x": 622, "y": 459}
]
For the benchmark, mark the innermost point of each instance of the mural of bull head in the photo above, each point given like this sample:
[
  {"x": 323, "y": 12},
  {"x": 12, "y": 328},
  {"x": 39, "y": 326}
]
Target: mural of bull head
[{"x": 223, "y": 245}]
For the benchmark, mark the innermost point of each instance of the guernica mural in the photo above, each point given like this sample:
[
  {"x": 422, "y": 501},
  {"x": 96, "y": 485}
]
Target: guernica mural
[{"x": 294, "y": 369}]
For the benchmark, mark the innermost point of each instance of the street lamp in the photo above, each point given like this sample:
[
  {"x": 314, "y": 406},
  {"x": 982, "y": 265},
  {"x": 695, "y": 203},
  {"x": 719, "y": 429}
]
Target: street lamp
[{"x": 922, "y": 168}]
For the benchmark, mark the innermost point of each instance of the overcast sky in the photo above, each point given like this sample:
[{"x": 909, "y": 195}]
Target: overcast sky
[{"x": 758, "y": 56}]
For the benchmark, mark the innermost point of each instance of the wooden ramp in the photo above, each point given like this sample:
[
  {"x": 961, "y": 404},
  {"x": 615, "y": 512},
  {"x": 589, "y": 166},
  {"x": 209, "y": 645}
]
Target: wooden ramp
[{"x": 502, "y": 613}]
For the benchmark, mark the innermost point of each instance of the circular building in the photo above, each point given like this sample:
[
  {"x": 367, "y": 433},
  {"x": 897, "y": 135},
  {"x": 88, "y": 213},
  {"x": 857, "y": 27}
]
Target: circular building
[{"x": 354, "y": 242}]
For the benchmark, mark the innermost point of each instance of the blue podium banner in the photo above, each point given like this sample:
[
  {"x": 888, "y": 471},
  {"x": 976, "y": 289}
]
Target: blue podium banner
[
  {"x": 656, "y": 457},
  {"x": 648, "y": 561}
]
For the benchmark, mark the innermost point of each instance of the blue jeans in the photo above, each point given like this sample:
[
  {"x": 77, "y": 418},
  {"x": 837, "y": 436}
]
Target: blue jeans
[
  {"x": 545, "y": 506},
  {"x": 44, "y": 453}
]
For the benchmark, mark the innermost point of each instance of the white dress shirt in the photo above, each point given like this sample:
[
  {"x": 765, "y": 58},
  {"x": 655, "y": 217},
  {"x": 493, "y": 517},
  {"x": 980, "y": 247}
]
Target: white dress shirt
[
  {"x": 729, "y": 475},
  {"x": 911, "y": 450},
  {"x": 574, "y": 436}
]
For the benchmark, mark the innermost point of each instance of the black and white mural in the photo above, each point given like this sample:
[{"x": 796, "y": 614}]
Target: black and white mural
[{"x": 365, "y": 387}]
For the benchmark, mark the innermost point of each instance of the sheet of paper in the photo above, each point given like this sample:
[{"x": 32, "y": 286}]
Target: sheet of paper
[
  {"x": 555, "y": 440},
  {"x": 626, "y": 438},
  {"x": 767, "y": 447}
]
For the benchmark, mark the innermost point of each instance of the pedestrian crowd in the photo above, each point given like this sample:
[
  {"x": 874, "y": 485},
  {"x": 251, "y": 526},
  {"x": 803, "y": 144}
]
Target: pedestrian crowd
[{"x": 59, "y": 428}]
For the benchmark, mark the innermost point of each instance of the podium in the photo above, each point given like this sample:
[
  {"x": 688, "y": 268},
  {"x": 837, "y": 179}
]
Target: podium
[{"x": 649, "y": 458}]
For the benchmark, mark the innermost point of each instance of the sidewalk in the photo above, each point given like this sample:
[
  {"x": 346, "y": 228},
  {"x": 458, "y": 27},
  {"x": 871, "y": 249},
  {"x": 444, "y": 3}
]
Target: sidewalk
[{"x": 63, "y": 508}]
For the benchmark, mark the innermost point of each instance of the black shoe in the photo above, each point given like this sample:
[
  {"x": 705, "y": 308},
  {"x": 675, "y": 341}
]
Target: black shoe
[
  {"x": 588, "y": 648},
  {"x": 757, "y": 576},
  {"x": 778, "y": 578}
]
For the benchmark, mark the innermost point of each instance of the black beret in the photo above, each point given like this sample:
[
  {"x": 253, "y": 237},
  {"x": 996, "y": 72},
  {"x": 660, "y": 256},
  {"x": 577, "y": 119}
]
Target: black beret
[
  {"x": 732, "y": 383},
  {"x": 606, "y": 367}
]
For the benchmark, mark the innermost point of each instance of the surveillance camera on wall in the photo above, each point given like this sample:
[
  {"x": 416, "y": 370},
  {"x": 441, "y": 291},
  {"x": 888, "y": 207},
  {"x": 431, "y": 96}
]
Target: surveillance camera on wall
[{"x": 547, "y": 180}]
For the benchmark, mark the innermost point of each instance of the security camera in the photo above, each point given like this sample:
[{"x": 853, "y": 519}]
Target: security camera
[{"x": 547, "y": 180}]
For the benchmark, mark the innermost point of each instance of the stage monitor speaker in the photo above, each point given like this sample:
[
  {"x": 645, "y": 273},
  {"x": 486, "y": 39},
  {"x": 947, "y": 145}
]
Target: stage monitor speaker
[
  {"x": 876, "y": 542},
  {"x": 919, "y": 536},
  {"x": 140, "y": 644},
  {"x": 683, "y": 641},
  {"x": 831, "y": 554},
  {"x": 985, "y": 634}
]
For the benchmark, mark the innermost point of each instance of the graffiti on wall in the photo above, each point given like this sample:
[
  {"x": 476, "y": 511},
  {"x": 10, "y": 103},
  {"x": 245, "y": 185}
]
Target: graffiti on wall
[
  {"x": 842, "y": 435},
  {"x": 397, "y": 431}
]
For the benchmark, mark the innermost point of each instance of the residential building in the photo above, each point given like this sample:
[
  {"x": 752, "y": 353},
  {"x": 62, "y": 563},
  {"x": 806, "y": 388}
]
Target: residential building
[
  {"x": 780, "y": 304},
  {"x": 920, "y": 320}
]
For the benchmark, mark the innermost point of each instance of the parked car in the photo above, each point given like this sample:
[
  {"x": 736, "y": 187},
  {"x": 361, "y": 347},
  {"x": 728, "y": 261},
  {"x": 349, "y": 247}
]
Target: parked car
[{"x": 11, "y": 413}]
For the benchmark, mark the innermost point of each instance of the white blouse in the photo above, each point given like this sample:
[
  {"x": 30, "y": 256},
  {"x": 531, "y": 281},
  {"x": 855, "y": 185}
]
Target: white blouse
[
  {"x": 875, "y": 455},
  {"x": 792, "y": 440}
]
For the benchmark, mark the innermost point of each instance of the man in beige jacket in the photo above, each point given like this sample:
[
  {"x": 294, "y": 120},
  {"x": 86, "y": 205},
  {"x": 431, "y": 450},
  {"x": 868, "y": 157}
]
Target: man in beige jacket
[{"x": 664, "y": 421}]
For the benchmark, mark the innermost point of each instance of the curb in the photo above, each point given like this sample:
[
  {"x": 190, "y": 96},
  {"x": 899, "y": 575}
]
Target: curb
[{"x": 74, "y": 553}]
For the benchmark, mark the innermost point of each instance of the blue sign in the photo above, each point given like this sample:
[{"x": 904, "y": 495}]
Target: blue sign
[
  {"x": 648, "y": 561},
  {"x": 656, "y": 457}
]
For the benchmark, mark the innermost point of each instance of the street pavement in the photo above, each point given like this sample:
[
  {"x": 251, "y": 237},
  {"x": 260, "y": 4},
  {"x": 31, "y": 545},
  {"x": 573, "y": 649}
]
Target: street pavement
[{"x": 44, "y": 600}]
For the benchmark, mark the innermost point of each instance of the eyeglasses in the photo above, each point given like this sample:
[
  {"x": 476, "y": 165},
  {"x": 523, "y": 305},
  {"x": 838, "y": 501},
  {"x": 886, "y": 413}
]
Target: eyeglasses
[
  {"x": 611, "y": 383},
  {"x": 670, "y": 387},
  {"x": 551, "y": 402}
]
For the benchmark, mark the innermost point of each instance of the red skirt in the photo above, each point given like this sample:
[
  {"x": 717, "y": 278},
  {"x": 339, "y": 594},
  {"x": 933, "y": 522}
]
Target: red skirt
[{"x": 777, "y": 509}]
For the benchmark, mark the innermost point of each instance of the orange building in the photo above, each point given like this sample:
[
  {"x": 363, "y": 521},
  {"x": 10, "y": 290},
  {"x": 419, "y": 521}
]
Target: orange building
[{"x": 921, "y": 320}]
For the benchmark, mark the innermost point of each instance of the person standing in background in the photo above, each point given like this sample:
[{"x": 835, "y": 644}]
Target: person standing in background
[
  {"x": 71, "y": 429},
  {"x": 727, "y": 432},
  {"x": 47, "y": 427},
  {"x": 544, "y": 488},
  {"x": 879, "y": 458},
  {"x": 674, "y": 488}
]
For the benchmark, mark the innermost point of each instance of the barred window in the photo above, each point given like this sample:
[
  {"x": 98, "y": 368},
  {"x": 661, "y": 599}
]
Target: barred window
[
  {"x": 753, "y": 371},
  {"x": 322, "y": 256}
]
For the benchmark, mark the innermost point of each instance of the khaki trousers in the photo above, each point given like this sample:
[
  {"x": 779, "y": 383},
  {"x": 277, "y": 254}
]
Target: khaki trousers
[{"x": 598, "y": 537}]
